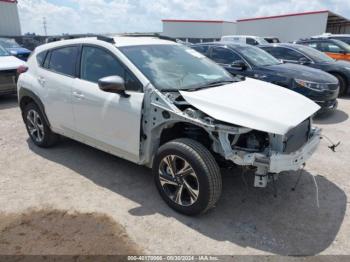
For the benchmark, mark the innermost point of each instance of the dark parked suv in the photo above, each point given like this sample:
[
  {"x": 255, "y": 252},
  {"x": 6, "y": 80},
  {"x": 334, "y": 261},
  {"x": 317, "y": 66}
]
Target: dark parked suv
[
  {"x": 304, "y": 55},
  {"x": 253, "y": 62}
]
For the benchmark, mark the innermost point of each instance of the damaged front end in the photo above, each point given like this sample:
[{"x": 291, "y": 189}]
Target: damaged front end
[{"x": 268, "y": 153}]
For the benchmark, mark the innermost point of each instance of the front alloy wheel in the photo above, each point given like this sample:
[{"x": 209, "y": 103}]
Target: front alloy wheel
[
  {"x": 178, "y": 180},
  {"x": 187, "y": 176}
]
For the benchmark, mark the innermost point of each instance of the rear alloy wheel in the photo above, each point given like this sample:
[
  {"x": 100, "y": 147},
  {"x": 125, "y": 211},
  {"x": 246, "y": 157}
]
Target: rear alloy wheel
[
  {"x": 187, "y": 176},
  {"x": 37, "y": 127}
]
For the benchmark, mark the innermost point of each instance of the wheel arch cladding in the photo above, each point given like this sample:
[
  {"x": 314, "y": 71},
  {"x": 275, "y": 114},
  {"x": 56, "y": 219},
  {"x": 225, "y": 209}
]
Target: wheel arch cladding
[{"x": 26, "y": 96}]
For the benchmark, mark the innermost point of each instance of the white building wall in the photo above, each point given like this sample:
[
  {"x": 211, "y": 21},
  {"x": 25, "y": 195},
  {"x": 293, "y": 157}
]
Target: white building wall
[
  {"x": 288, "y": 28},
  {"x": 197, "y": 29},
  {"x": 229, "y": 29},
  {"x": 9, "y": 19}
]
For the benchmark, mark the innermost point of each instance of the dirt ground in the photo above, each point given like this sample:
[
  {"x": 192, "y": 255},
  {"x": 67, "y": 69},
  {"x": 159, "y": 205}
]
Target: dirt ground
[
  {"x": 86, "y": 201},
  {"x": 54, "y": 232}
]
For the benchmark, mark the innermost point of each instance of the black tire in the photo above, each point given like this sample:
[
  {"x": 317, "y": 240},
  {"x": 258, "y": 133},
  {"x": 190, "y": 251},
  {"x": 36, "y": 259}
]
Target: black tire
[
  {"x": 48, "y": 138},
  {"x": 205, "y": 169},
  {"x": 343, "y": 88}
]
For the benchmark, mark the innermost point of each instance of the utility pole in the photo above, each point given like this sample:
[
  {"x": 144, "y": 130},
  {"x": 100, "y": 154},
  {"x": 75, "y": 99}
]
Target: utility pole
[{"x": 45, "y": 25}]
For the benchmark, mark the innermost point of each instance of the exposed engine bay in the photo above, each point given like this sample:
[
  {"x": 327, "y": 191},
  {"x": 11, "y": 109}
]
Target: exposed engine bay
[{"x": 268, "y": 153}]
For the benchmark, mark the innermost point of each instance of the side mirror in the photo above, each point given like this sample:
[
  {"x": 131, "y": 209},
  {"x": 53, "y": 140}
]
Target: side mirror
[
  {"x": 304, "y": 61},
  {"x": 239, "y": 65},
  {"x": 113, "y": 84}
]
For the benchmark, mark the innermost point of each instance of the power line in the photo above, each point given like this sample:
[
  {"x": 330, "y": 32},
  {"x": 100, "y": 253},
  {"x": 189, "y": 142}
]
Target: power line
[{"x": 45, "y": 25}]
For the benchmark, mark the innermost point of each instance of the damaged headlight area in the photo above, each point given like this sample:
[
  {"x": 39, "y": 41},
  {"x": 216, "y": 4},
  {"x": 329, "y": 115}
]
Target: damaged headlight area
[{"x": 254, "y": 141}]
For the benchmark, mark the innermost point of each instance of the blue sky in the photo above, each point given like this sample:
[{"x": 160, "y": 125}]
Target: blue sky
[{"x": 116, "y": 16}]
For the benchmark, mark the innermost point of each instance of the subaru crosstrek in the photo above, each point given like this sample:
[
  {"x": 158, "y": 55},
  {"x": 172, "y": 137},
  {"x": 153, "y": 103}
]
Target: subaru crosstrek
[{"x": 163, "y": 105}]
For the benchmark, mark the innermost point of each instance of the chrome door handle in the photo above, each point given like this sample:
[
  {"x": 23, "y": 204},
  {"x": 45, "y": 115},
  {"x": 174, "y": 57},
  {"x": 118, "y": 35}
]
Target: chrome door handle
[{"x": 78, "y": 95}]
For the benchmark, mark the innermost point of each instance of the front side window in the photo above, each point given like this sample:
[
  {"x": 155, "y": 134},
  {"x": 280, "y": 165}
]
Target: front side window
[
  {"x": 314, "y": 54},
  {"x": 344, "y": 39},
  {"x": 256, "y": 56},
  {"x": 285, "y": 53},
  {"x": 330, "y": 47},
  {"x": 223, "y": 55},
  {"x": 175, "y": 67},
  {"x": 63, "y": 60},
  {"x": 97, "y": 63}
]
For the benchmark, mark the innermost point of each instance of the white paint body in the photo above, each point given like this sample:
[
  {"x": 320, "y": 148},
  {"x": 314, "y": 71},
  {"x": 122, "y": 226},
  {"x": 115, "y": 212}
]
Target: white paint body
[
  {"x": 255, "y": 104},
  {"x": 10, "y": 62},
  {"x": 80, "y": 110}
]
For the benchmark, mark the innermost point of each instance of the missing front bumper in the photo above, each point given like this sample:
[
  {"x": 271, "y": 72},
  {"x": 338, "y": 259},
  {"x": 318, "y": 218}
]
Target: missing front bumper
[
  {"x": 294, "y": 161},
  {"x": 275, "y": 162}
]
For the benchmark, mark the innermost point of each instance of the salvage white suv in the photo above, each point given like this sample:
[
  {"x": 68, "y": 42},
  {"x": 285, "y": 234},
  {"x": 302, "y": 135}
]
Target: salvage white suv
[{"x": 161, "y": 104}]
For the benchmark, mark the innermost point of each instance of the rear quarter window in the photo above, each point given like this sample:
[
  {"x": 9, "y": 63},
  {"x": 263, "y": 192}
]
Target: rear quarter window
[
  {"x": 40, "y": 58},
  {"x": 63, "y": 60}
]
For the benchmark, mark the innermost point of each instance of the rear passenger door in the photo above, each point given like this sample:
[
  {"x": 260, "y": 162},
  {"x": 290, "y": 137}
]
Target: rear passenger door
[
  {"x": 107, "y": 120},
  {"x": 56, "y": 77}
]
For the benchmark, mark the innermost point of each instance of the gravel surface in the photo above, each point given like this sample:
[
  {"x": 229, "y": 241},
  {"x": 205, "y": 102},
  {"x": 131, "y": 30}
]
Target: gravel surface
[{"x": 78, "y": 179}]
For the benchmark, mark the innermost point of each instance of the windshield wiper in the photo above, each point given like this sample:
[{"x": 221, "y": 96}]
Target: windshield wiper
[{"x": 211, "y": 84}]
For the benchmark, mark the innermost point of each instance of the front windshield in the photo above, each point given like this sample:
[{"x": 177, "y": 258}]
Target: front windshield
[
  {"x": 175, "y": 67},
  {"x": 314, "y": 54},
  {"x": 8, "y": 43},
  {"x": 3, "y": 52},
  {"x": 256, "y": 56}
]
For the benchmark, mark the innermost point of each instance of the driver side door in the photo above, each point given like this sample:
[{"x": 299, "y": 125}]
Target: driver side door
[{"x": 107, "y": 120}]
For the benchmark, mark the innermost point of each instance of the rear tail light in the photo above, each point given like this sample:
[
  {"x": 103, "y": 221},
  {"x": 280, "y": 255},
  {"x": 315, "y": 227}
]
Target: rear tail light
[{"x": 22, "y": 69}]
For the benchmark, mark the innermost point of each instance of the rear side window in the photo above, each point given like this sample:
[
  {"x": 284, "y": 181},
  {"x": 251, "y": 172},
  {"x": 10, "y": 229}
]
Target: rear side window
[
  {"x": 40, "y": 58},
  {"x": 97, "y": 63},
  {"x": 63, "y": 60},
  {"x": 330, "y": 47},
  {"x": 313, "y": 45},
  {"x": 223, "y": 55},
  {"x": 201, "y": 48},
  {"x": 344, "y": 39}
]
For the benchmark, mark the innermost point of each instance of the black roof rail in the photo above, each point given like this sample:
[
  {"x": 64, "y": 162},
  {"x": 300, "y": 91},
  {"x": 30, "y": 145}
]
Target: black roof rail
[
  {"x": 151, "y": 35},
  {"x": 67, "y": 37},
  {"x": 106, "y": 39}
]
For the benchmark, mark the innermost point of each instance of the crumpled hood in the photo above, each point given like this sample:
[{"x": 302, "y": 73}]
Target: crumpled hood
[
  {"x": 300, "y": 72},
  {"x": 10, "y": 62},
  {"x": 254, "y": 104}
]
